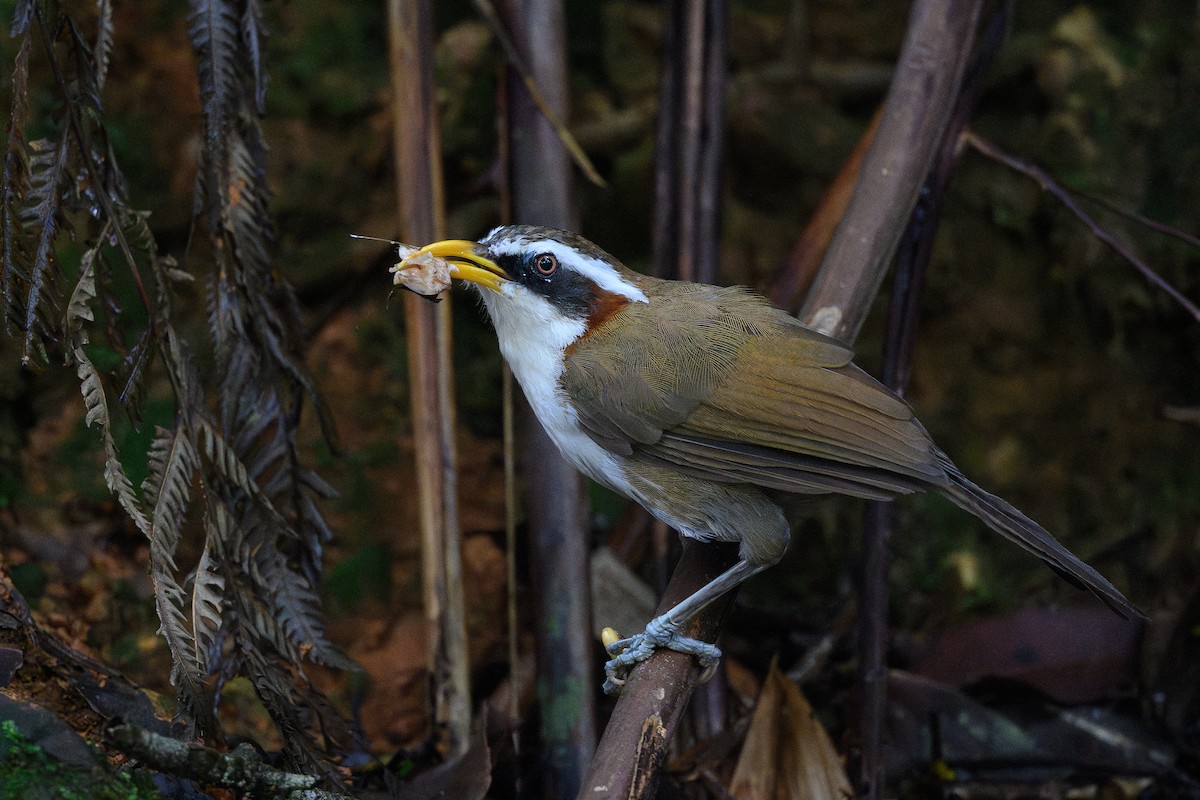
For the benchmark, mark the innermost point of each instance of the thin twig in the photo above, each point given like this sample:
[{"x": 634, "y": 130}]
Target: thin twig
[
  {"x": 817, "y": 655},
  {"x": 912, "y": 260},
  {"x": 873, "y": 635},
  {"x": 1152, "y": 224},
  {"x": 1062, "y": 195},
  {"x": 488, "y": 12},
  {"x": 666, "y": 145},
  {"x": 510, "y": 564}
]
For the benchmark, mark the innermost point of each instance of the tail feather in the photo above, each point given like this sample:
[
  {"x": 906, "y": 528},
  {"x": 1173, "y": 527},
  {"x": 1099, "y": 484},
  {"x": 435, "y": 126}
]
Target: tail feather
[{"x": 1005, "y": 519}]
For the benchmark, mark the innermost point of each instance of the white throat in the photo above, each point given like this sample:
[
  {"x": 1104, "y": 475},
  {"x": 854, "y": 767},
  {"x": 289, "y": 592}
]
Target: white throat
[{"x": 534, "y": 337}]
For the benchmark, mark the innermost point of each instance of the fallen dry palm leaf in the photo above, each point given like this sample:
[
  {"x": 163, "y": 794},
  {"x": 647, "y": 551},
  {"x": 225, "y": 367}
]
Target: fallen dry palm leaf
[{"x": 787, "y": 754}]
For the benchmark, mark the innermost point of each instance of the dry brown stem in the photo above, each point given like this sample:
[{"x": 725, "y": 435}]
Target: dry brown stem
[{"x": 421, "y": 219}]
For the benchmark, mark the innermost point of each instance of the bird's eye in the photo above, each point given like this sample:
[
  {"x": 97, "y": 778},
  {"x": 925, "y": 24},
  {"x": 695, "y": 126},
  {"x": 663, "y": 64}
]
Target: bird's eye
[{"x": 545, "y": 264}]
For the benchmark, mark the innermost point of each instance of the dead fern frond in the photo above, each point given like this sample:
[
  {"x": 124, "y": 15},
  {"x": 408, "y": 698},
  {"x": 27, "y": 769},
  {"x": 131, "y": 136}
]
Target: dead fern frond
[
  {"x": 42, "y": 215},
  {"x": 231, "y": 450},
  {"x": 173, "y": 466},
  {"x": 95, "y": 399},
  {"x": 213, "y": 28},
  {"x": 208, "y": 590},
  {"x": 13, "y": 246}
]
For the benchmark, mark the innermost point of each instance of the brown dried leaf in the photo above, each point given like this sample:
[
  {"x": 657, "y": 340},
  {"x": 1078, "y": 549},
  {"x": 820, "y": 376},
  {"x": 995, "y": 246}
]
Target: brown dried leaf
[{"x": 787, "y": 754}]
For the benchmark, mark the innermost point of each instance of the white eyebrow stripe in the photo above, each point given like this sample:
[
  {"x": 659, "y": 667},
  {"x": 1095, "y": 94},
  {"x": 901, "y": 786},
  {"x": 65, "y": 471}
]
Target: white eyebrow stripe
[{"x": 594, "y": 269}]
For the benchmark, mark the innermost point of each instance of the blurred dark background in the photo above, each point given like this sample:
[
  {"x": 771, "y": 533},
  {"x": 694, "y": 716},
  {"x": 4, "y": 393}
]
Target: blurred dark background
[{"x": 1047, "y": 367}]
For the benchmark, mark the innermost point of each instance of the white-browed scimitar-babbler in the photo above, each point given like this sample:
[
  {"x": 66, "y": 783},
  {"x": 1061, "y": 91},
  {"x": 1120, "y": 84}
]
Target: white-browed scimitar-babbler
[{"x": 703, "y": 404}]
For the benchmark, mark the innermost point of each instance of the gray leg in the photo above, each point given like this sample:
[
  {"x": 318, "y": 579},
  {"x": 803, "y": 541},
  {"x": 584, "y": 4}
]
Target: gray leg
[{"x": 663, "y": 630}]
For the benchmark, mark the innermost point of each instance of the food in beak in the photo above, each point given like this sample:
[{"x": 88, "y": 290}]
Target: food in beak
[{"x": 423, "y": 273}]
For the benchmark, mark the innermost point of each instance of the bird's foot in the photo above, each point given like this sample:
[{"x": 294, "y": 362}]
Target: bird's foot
[{"x": 661, "y": 632}]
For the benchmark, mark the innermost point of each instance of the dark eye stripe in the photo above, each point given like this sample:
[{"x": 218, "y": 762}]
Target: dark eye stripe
[{"x": 543, "y": 273}]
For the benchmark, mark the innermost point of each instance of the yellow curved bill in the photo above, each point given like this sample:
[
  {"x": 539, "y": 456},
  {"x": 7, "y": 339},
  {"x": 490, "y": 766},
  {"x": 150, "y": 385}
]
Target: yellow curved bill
[{"x": 465, "y": 262}]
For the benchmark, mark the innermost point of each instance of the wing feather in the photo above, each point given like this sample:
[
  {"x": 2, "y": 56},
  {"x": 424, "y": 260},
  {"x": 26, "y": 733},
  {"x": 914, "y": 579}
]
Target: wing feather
[
  {"x": 692, "y": 385},
  {"x": 774, "y": 469},
  {"x": 720, "y": 384}
]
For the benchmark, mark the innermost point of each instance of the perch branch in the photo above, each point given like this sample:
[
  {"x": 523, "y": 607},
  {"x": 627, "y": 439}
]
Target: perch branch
[{"x": 634, "y": 744}]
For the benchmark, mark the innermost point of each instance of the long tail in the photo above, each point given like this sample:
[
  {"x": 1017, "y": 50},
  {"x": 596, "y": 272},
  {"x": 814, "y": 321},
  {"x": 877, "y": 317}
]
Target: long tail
[{"x": 1003, "y": 518}]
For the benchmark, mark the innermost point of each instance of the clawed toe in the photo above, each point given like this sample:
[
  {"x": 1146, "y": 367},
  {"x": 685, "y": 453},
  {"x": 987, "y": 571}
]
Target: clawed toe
[{"x": 627, "y": 653}]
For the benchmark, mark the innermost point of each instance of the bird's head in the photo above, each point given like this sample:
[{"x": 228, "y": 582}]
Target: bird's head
[{"x": 541, "y": 281}]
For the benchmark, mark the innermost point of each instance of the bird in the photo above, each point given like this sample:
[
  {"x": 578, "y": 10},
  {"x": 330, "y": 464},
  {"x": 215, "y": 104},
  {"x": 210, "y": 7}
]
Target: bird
[{"x": 707, "y": 405}]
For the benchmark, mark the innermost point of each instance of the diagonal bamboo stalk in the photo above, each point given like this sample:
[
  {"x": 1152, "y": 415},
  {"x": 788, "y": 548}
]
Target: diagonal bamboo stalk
[
  {"x": 421, "y": 219},
  {"x": 916, "y": 112}
]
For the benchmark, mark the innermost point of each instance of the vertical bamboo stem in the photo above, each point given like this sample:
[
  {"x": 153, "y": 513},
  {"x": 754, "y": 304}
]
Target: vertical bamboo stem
[
  {"x": 541, "y": 183},
  {"x": 690, "y": 141},
  {"x": 912, "y": 260},
  {"x": 421, "y": 219}
]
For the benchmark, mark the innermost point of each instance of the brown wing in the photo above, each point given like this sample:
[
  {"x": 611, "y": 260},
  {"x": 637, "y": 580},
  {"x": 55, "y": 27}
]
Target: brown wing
[{"x": 721, "y": 385}]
